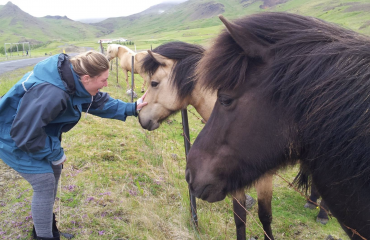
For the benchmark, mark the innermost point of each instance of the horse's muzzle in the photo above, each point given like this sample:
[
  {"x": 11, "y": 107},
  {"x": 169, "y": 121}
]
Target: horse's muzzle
[{"x": 148, "y": 125}]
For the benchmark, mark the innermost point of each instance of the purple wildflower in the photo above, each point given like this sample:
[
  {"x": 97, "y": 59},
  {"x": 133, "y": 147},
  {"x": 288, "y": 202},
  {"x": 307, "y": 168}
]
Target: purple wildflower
[
  {"x": 89, "y": 199},
  {"x": 101, "y": 232},
  {"x": 133, "y": 192},
  {"x": 106, "y": 193}
]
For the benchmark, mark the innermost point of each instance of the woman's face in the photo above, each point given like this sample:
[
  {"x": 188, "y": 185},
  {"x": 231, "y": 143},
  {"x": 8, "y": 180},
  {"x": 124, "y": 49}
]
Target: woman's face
[{"x": 94, "y": 84}]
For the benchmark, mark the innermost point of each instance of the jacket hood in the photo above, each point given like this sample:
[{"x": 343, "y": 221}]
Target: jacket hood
[
  {"x": 80, "y": 89},
  {"x": 58, "y": 70}
]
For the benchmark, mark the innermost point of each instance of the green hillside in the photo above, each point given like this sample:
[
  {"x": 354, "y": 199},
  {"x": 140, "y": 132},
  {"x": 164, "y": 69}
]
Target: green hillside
[
  {"x": 193, "y": 21},
  {"x": 18, "y": 26},
  {"x": 67, "y": 29},
  {"x": 354, "y": 15},
  {"x": 196, "y": 21}
]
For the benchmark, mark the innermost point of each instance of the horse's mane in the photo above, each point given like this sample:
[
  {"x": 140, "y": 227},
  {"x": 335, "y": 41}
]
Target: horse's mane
[
  {"x": 116, "y": 46},
  {"x": 186, "y": 57},
  {"x": 318, "y": 73}
]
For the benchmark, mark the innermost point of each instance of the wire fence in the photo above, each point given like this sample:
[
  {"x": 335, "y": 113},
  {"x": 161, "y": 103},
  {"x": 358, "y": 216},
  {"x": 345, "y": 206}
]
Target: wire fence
[
  {"x": 291, "y": 185},
  {"x": 197, "y": 123},
  {"x": 172, "y": 157}
]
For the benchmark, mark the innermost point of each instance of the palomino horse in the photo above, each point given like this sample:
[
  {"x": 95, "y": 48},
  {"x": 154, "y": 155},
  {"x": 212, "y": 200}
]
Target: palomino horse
[
  {"x": 289, "y": 89},
  {"x": 172, "y": 88},
  {"x": 125, "y": 55}
]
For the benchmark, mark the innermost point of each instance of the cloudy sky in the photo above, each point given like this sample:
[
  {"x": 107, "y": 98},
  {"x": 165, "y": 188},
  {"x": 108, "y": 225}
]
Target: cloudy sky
[{"x": 83, "y": 9}]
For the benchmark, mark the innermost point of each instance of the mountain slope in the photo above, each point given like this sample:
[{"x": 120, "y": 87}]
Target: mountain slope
[
  {"x": 203, "y": 13},
  {"x": 19, "y": 26},
  {"x": 170, "y": 18}
]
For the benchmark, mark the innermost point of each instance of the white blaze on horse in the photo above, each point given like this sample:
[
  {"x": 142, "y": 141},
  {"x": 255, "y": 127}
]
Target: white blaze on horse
[{"x": 125, "y": 61}]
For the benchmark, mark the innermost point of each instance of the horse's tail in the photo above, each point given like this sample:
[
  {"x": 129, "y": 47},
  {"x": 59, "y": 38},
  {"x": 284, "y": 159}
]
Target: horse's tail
[{"x": 303, "y": 180}]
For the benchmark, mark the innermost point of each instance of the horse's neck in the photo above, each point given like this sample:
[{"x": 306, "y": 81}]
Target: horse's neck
[
  {"x": 123, "y": 51},
  {"x": 203, "y": 101}
]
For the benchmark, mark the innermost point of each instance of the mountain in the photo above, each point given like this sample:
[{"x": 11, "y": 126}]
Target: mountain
[
  {"x": 123, "y": 22},
  {"x": 19, "y": 26},
  {"x": 200, "y": 14},
  {"x": 171, "y": 18},
  {"x": 91, "y": 20},
  {"x": 14, "y": 22}
]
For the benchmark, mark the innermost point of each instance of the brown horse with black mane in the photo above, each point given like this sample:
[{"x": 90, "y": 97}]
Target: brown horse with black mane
[
  {"x": 290, "y": 89},
  {"x": 172, "y": 87}
]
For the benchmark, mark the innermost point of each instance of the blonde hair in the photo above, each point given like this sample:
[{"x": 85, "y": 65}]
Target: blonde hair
[{"x": 90, "y": 63}]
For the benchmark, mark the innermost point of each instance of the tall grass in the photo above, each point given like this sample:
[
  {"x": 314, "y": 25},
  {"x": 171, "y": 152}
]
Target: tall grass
[{"x": 122, "y": 182}]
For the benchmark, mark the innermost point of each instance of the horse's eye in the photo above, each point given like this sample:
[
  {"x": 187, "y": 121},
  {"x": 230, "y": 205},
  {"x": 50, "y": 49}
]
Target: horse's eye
[
  {"x": 154, "y": 84},
  {"x": 225, "y": 101}
]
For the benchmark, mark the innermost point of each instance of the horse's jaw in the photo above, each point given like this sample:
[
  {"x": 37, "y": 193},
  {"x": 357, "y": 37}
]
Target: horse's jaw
[
  {"x": 208, "y": 193},
  {"x": 148, "y": 124},
  {"x": 203, "y": 184}
]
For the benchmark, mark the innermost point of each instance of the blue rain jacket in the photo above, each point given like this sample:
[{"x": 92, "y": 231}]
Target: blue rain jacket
[{"x": 43, "y": 104}]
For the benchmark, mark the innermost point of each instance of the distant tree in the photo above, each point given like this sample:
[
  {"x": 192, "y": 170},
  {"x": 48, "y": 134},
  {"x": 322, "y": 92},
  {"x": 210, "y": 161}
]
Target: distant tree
[{"x": 2, "y": 50}]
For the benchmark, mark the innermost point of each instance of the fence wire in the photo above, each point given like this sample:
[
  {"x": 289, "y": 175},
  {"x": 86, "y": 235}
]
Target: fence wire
[
  {"x": 196, "y": 115},
  {"x": 172, "y": 158}
]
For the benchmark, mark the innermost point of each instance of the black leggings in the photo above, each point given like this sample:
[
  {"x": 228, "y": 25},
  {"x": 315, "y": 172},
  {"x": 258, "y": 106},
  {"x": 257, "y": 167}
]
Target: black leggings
[{"x": 45, "y": 186}]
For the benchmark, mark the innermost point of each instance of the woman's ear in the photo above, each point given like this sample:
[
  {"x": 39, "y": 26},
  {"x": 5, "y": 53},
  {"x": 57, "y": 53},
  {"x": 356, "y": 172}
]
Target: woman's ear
[{"x": 85, "y": 78}]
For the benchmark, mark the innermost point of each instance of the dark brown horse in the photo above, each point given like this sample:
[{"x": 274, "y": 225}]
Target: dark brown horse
[
  {"x": 290, "y": 88},
  {"x": 173, "y": 87}
]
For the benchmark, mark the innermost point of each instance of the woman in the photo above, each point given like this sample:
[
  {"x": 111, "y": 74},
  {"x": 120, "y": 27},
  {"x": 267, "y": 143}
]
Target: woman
[{"x": 34, "y": 113}]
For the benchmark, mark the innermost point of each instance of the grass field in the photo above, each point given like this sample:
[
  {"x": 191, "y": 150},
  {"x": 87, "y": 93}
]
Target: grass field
[{"x": 123, "y": 182}]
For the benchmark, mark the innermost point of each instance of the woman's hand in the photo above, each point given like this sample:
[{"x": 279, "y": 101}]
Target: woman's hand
[
  {"x": 140, "y": 102},
  {"x": 63, "y": 162}
]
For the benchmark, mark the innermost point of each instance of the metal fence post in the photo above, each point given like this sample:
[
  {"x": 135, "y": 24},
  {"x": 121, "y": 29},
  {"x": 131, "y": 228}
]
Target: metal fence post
[
  {"x": 132, "y": 79},
  {"x": 101, "y": 47},
  {"x": 185, "y": 124},
  {"x": 117, "y": 68}
]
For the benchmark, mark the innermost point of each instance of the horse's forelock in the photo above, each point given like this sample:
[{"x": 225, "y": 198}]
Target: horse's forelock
[{"x": 186, "y": 56}]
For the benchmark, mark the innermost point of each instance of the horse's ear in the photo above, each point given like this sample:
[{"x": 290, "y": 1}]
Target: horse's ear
[
  {"x": 247, "y": 41},
  {"x": 161, "y": 60}
]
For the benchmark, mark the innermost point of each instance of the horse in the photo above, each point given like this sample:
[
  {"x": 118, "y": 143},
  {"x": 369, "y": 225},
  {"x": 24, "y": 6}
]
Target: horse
[
  {"x": 125, "y": 55},
  {"x": 290, "y": 89},
  {"x": 173, "y": 87}
]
